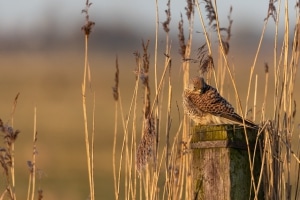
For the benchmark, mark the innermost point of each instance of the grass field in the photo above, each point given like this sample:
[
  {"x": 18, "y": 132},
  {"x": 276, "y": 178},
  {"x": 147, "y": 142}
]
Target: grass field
[{"x": 52, "y": 84}]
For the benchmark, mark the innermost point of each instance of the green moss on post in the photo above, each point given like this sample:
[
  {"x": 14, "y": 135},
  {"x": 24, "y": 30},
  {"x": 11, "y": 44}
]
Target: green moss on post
[{"x": 221, "y": 167}]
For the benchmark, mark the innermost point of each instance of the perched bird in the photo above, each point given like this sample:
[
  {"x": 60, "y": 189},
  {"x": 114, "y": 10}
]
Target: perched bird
[{"x": 205, "y": 106}]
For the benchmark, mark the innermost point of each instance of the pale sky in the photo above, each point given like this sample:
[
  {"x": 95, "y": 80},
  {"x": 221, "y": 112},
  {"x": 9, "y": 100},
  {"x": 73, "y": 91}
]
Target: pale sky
[{"x": 20, "y": 15}]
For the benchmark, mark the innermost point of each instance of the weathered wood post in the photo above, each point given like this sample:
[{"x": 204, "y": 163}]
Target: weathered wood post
[{"x": 221, "y": 167}]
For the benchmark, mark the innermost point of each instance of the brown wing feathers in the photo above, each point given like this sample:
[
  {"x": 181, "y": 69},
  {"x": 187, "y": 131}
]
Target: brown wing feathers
[{"x": 205, "y": 100}]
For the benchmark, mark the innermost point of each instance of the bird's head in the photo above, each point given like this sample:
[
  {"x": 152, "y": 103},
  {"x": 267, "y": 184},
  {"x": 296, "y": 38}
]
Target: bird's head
[{"x": 199, "y": 84}]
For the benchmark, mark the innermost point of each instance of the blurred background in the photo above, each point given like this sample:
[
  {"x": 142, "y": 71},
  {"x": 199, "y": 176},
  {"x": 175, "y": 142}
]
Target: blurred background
[{"x": 42, "y": 57}]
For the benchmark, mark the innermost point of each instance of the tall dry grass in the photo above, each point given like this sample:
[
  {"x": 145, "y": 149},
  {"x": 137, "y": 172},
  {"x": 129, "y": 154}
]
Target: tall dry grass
[
  {"x": 155, "y": 157},
  {"x": 7, "y": 159},
  {"x": 158, "y": 166},
  {"x": 86, "y": 84}
]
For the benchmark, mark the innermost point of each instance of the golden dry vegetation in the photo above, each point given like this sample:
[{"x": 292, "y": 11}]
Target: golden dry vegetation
[{"x": 51, "y": 81}]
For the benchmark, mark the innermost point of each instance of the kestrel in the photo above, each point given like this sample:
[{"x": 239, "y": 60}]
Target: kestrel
[{"x": 205, "y": 106}]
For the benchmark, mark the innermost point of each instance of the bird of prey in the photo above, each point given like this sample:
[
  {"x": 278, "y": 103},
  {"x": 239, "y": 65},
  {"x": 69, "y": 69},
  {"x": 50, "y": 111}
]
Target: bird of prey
[{"x": 205, "y": 106}]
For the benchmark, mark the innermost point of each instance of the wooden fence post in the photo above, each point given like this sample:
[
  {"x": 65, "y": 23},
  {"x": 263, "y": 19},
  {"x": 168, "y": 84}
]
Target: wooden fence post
[{"x": 221, "y": 167}]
